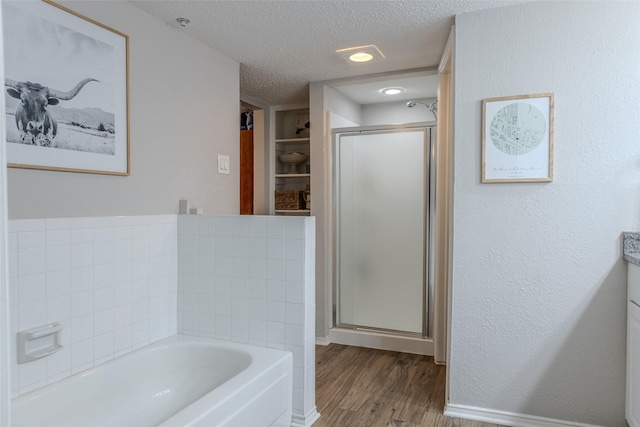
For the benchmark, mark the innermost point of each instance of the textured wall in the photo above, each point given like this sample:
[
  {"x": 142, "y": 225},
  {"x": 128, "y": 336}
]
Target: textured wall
[
  {"x": 538, "y": 320},
  {"x": 184, "y": 102}
]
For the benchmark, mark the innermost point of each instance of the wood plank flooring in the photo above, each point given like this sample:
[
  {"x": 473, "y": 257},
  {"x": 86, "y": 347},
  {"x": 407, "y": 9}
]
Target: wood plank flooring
[{"x": 361, "y": 387}]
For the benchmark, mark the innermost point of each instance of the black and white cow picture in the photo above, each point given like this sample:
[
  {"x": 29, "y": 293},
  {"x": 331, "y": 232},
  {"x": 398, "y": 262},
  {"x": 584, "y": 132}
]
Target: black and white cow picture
[{"x": 34, "y": 121}]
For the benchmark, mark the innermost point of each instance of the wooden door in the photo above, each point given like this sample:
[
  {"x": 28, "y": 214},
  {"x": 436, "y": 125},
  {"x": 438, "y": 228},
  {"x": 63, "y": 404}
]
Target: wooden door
[{"x": 246, "y": 172}]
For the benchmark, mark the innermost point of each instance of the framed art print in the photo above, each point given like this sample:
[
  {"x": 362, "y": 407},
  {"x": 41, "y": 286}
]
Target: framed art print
[
  {"x": 517, "y": 138},
  {"x": 66, "y": 90}
]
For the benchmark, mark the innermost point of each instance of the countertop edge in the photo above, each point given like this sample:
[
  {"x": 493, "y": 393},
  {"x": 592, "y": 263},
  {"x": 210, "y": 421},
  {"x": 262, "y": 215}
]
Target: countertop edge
[{"x": 631, "y": 247}]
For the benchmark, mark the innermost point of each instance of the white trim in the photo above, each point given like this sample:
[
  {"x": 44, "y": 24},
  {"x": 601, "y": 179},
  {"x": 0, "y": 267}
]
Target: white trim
[
  {"x": 323, "y": 341},
  {"x": 381, "y": 341},
  {"x": 448, "y": 49},
  {"x": 506, "y": 418},
  {"x": 307, "y": 420}
]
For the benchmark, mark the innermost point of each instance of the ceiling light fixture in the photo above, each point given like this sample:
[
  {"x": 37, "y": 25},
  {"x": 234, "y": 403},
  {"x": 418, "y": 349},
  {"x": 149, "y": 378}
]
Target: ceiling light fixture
[
  {"x": 392, "y": 90},
  {"x": 360, "y": 54},
  {"x": 182, "y": 21}
]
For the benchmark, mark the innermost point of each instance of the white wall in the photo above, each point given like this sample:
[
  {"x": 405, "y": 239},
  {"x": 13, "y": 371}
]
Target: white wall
[
  {"x": 184, "y": 103},
  {"x": 5, "y": 385},
  {"x": 538, "y": 310},
  {"x": 396, "y": 113}
]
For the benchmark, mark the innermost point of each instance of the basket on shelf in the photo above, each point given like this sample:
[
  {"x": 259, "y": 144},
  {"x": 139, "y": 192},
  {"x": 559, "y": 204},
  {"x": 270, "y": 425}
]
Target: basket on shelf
[{"x": 289, "y": 200}]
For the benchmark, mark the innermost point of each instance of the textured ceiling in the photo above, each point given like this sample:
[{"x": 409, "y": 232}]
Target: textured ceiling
[{"x": 283, "y": 45}]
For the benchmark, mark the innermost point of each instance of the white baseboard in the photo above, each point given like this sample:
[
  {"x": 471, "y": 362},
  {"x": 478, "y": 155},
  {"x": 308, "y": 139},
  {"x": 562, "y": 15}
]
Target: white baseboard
[
  {"x": 306, "y": 420},
  {"x": 381, "y": 341},
  {"x": 506, "y": 418},
  {"x": 323, "y": 341}
]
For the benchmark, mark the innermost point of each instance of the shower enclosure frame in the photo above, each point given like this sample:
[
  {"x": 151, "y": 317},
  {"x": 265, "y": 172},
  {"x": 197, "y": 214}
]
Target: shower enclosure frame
[{"x": 429, "y": 182}]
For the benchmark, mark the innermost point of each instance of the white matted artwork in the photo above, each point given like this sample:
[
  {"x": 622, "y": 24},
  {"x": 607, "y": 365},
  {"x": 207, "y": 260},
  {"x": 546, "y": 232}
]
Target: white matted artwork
[
  {"x": 517, "y": 138},
  {"x": 66, "y": 90}
]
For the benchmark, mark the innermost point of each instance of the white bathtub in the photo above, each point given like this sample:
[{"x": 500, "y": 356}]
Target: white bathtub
[{"x": 179, "y": 381}]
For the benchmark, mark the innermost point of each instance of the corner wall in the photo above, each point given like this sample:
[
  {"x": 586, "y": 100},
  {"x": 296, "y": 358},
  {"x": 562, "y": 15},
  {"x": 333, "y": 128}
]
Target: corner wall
[
  {"x": 184, "y": 104},
  {"x": 538, "y": 298}
]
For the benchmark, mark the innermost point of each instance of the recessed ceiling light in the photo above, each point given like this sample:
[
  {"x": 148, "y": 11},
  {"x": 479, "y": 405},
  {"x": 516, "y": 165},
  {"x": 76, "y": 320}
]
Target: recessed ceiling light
[
  {"x": 360, "y": 57},
  {"x": 392, "y": 90},
  {"x": 360, "y": 54}
]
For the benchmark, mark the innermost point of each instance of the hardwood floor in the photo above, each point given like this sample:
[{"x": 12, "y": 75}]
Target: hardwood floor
[{"x": 361, "y": 387}]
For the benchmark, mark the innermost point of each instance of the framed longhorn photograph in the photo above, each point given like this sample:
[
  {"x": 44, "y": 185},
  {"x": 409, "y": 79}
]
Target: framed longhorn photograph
[{"x": 66, "y": 90}]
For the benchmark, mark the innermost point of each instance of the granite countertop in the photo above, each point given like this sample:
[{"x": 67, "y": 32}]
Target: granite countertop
[{"x": 631, "y": 247}]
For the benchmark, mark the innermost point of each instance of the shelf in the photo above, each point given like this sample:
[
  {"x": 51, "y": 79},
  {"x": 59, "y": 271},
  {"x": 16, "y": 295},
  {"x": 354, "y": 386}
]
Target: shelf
[
  {"x": 286, "y": 121},
  {"x": 292, "y": 141},
  {"x": 293, "y": 211},
  {"x": 293, "y": 175}
]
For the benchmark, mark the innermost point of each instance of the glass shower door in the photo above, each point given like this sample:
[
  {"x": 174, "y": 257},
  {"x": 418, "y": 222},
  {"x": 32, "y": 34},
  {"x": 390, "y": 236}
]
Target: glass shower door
[{"x": 380, "y": 189}]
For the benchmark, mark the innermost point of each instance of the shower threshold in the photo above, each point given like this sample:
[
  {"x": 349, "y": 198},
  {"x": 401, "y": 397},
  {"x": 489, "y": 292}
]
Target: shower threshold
[{"x": 382, "y": 340}]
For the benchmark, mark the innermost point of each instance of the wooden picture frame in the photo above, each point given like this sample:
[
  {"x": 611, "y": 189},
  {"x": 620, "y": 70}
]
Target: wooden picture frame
[
  {"x": 517, "y": 138},
  {"x": 67, "y": 90}
]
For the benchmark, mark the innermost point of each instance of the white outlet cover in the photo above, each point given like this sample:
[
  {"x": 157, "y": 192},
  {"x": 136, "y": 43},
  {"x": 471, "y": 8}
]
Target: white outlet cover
[{"x": 223, "y": 164}]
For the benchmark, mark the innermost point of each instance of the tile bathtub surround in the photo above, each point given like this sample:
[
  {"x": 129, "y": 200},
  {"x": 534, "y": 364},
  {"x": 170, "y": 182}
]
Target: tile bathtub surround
[
  {"x": 110, "y": 281},
  {"x": 251, "y": 279}
]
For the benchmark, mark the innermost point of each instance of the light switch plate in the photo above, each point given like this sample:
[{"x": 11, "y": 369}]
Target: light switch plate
[{"x": 223, "y": 164}]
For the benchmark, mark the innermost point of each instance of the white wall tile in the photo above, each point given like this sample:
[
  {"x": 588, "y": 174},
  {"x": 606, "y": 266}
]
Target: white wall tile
[
  {"x": 31, "y": 239},
  {"x": 223, "y": 325},
  {"x": 295, "y": 249},
  {"x": 31, "y": 260},
  {"x": 81, "y": 271},
  {"x": 276, "y": 248},
  {"x": 81, "y": 328},
  {"x": 295, "y": 271},
  {"x": 241, "y": 226},
  {"x": 275, "y": 227},
  {"x": 295, "y": 228},
  {"x": 31, "y": 288},
  {"x": 257, "y": 309},
  {"x": 58, "y": 257},
  {"x": 294, "y": 292},
  {"x": 258, "y": 227},
  {"x": 295, "y": 315},
  {"x": 62, "y": 223},
  {"x": 58, "y": 308},
  {"x": 58, "y": 365},
  {"x": 58, "y": 237},
  {"x": 20, "y": 225},
  {"x": 103, "y": 346},
  {"x": 224, "y": 226},
  {"x": 102, "y": 275},
  {"x": 275, "y": 269},
  {"x": 275, "y": 311},
  {"x": 82, "y": 279},
  {"x": 275, "y": 290},
  {"x": 206, "y": 225},
  {"x": 240, "y": 307},
  {"x": 81, "y": 354},
  {"x": 275, "y": 332},
  {"x": 12, "y": 241},
  {"x": 258, "y": 330},
  {"x": 58, "y": 283}
]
